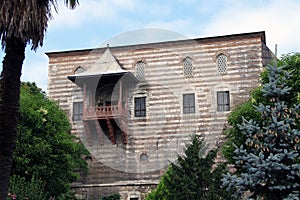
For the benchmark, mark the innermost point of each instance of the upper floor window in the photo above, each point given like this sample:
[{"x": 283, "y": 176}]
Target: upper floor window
[
  {"x": 140, "y": 70},
  {"x": 223, "y": 101},
  {"x": 140, "y": 106},
  {"x": 79, "y": 70},
  {"x": 221, "y": 62},
  {"x": 77, "y": 111},
  {"x": 188, "y": 66},
  {"x": 188, "y": 103}
]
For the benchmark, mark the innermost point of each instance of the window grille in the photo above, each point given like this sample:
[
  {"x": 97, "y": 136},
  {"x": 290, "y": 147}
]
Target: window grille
[
  {"x": 188, "y": 103},
  {"x": 188, "y": 66},
  {"x": 221, "y": 63},
  {"x": 77, "y": 111},
  {"x": 223, "y": 101},
  {"x": 140, "y": 106},
  {"x": 140, "y": 70},
  {"x": 79, "y": 70}
]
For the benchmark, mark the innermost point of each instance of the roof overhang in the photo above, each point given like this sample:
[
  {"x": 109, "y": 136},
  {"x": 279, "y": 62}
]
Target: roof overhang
[{"x": 103, "y": 78}]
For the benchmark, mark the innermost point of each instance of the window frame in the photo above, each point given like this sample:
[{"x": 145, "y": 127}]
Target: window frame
[
  {"x": 223, "y": 101},
  {"x": 140, "y": 70},
  {"x": 222, "y": 69},
  {"x": 79, "y": 70},
  {"x": 77, "y": 111},
  {"x": 188, "y": 67},
  {"x": 189, "y": 108},
  {"x": 140, "y": 109}
]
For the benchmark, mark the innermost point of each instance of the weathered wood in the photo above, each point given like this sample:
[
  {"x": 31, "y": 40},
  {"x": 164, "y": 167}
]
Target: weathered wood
[
  {"x": 111, "y": 131},
  {"x": 88, "y": 133},
  {"x": 99, "y": 132}
]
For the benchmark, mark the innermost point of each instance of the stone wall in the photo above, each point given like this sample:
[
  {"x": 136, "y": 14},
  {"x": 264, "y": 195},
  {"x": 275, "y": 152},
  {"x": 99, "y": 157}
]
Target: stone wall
[
  {"x": 155, "y": 140},
  {"x": 127, "y": 190}
]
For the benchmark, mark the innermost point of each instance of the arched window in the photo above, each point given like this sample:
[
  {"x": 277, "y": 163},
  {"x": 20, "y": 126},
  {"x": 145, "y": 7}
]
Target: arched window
[
  {"x": 188, "y": 66},
  {"x": 140, "y": 70},
  {"x": 79, "y": 70},
  {"x": 221, "y": 62}
]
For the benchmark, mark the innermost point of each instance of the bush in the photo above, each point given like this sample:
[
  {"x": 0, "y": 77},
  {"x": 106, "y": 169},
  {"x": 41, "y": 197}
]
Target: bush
[{"x": 22, "y": 189}]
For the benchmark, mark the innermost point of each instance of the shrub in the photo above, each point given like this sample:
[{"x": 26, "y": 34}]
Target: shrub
[{"x": 22, "y": 189}]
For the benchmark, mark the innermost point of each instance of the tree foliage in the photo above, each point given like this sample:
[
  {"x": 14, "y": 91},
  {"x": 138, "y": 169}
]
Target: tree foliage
[
  {"x": 193, "y": 176},
  {"x": 235, "y": 138},
  {"x": 292, "y": 64},
  {"x": 269, "y": 156},
  {"x": 22, "y": 189},
  {"x": 45, "y": 149},
  {"x": 18, "y": 20},
  {"x": 21, "y": 22}
]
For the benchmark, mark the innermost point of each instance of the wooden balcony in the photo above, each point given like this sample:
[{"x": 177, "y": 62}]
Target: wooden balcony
[
  {"x": 104, "y": 112},
  {"x": 103, "y": 116}
]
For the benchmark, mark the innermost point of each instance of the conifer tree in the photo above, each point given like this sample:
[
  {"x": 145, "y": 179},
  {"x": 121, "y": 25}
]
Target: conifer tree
[
  {"x": 270, "y": 156},
  {"x": 193, "y": 176}
]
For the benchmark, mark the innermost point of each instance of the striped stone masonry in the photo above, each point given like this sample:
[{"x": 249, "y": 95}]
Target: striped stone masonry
[{"x": 172, "y": 99}]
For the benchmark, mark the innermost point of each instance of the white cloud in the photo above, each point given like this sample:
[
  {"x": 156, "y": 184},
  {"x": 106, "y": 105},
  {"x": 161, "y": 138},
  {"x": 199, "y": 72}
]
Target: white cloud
[
  {"x": 89, "y": 10},
  {"x": 192, "y": 18},
  {"x": 143, "y": 35},
  {"x": 181, "y": 26},
  {"x": 278, "y": 18},
  {"x": 35, "y": 68}
]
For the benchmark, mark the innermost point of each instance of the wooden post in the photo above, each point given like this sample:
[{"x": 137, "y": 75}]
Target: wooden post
[
  {"x": 99, "y": 132},
  {"x": 84, "y": 100},
  {"x": 88, "y": 133},
  {"x": 126, "y": 100},
  {"x": 120, "y": 97},
  {"x": 91, "y": 97}
]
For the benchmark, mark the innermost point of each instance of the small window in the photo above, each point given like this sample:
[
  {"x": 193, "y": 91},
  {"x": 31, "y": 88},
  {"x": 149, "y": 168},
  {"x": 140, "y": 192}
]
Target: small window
[
  {"x": 144, "y": 157},
  {"x": 140, "y": 106},
  {"x": 188, "y": 103},
  {"x": 77, "y": 111},
  {"x": 221, "y": 63},
  {"x": 188, "y": 67},
  {"x": 79, "y": 70},
  {"x": 223, "y": 101},
  {"x": 140, "y": 70}
]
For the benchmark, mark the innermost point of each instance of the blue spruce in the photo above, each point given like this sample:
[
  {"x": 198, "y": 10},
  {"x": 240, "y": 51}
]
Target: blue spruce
[{"x": 269, "y": 162}]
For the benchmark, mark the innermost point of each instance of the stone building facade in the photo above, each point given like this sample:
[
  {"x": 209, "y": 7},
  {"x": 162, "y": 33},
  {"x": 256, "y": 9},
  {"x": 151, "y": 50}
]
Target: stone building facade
[{"x": 135, "y": 107}]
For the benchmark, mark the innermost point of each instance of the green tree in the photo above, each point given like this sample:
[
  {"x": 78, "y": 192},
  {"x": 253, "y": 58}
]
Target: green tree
[
  {"x": 270, "y": 155},
  {"x": 292, "y": 64},
  {"x": 45, "y": 149},
  {"x": 161, "y": 191},
  {"x": 193, "y": 176},
  {"x": 22, "y": 189},
  {"x": 247, "y": 110},
  {"x": 234, "y": 136},
  {"x": 21, "y": 22}
]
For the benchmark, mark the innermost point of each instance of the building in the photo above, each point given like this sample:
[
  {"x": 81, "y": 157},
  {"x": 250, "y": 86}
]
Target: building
[{"x": 134, "y": 107}]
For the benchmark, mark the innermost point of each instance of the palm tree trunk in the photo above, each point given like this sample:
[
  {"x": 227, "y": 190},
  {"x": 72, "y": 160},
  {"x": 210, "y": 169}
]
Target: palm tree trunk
[{"x": 9, "y": 107}]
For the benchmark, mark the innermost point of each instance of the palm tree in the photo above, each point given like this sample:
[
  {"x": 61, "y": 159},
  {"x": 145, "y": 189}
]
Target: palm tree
[{"x": 21, "y": 23}]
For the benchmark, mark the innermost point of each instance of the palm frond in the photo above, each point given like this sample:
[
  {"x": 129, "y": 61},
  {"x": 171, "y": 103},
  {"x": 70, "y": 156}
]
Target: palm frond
[
  {"x": 71, "y": 3},
  {"x": 27, "y": 20}
]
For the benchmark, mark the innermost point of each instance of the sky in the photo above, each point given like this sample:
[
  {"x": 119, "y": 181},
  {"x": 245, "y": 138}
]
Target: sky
[{"x": 94, "y": 23}]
